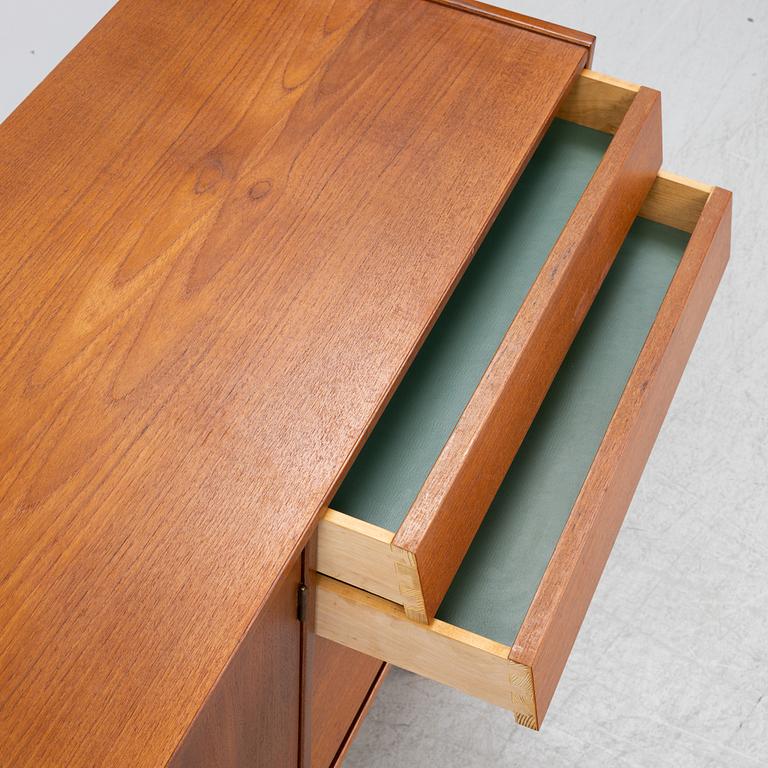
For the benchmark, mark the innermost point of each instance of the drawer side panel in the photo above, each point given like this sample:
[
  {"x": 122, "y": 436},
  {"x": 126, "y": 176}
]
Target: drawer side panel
[{"x": 449, "y": 655}]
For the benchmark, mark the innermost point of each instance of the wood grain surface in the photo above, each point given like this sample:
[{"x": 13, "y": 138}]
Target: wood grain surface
[
  {"x": 359, "y": 553},
  {"x": 506, "y": 16},
  {"x": 676, "y": 201},
  {"x": 523, "y": 677},
  {"x": 225, "y": 228},
  {"x": 251, "y": 717},
  {"x": 452, "y": 502},
  {"x": 555, "y": 615}
]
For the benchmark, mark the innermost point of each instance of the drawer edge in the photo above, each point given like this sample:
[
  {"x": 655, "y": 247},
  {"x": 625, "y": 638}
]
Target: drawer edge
[
  {"x": 597, "y": 101},
  {"x": 676, "y": 201}
]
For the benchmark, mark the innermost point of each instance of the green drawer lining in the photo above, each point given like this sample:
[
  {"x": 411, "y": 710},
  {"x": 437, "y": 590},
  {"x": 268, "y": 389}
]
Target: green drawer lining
[{"x": 396, "y": 459}]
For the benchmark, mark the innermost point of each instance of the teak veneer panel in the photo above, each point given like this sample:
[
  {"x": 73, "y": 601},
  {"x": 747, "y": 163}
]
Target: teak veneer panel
[
  {"x": 224, "y": 231},
  {"x": 360, "y": 718},
  {"x": 524, "y": 22}
]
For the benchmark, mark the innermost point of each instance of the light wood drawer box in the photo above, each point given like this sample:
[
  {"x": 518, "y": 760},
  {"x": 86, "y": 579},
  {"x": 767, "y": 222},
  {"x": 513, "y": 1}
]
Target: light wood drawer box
[
  {"x": 406, "y": 514},
  {"x": 509, "y": 620}
]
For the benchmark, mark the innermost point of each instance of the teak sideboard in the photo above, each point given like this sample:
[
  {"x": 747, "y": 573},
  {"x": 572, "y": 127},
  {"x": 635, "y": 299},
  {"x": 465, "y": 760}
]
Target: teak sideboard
[{"x": 334, "y": 334}]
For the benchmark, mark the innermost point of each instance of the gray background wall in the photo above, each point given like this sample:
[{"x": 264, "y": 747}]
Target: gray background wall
[{"x": 671, "y": 665}]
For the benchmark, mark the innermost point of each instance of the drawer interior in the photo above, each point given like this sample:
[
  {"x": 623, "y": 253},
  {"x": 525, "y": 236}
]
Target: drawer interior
[
  {"x": 406, "y": 513},
  {"x": 397, "y": 457},
  {"x": 506, "y": 626},
  {"x": 498, "y": 578}
]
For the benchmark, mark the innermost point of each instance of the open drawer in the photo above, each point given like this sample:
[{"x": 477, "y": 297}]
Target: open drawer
[
  {"x": 409, "y": 508},
  {"x": 511, "y": 615}
]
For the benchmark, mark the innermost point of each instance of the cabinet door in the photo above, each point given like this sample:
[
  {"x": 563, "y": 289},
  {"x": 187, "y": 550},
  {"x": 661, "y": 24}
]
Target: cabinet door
[
  {"x": 252, "y": 716},
  {"x": 342, "y": 680}
]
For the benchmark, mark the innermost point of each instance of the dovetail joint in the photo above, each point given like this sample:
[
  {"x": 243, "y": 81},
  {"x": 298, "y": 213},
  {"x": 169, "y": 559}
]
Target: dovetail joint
[
  {"x": 523, "y": 697},
  {"x": 409, "y": 585}
]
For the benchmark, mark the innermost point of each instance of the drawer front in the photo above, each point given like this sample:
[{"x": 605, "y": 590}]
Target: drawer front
[
  {"x": 410, "y": 506},
  {"x": 507, "y": 624}
]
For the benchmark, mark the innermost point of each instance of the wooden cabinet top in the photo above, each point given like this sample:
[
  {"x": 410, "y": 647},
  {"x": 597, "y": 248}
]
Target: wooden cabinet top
[{"x": 225, "y": 229}]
